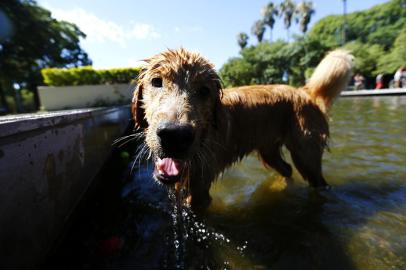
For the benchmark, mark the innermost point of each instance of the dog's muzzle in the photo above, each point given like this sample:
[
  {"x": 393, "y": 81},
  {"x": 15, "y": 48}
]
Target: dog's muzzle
[
  {"x": 175, "y": 140},
  {"x": 168, "y": 170}
]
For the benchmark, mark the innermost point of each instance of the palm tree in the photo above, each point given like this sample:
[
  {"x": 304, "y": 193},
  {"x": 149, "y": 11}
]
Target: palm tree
[
  {"x": 258, "y": 30},
  {"x": 242, "y": 39},
  {"x": 304, "y": 12},
  {"x": 268, "y": 13},
  {"x": 287, "y": 9}
]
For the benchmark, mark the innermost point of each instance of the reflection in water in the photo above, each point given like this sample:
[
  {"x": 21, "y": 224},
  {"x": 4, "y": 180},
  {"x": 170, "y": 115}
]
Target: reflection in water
[
  {"x": 361, "y": 222},
  {"x": 256, "y": 222},
  {"x": 175, "y": 237}
]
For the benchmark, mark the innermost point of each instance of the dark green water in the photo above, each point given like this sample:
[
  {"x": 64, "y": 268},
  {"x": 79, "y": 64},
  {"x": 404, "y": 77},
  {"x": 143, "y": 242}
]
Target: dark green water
[
  {"x": 359, "y": 224},
  {"x": 256, "y": 222}
]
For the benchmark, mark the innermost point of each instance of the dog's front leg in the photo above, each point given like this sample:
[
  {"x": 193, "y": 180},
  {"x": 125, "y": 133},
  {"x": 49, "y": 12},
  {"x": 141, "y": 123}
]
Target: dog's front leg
[{"x": 199, "y": 193}]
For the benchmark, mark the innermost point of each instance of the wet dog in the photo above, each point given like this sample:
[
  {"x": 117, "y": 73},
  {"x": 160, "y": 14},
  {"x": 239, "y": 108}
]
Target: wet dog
[{"x": 193, "y": 129}]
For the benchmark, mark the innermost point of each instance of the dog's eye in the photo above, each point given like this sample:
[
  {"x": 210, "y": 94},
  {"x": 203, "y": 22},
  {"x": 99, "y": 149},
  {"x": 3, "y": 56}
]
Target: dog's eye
[
  {"x": 204, "y": 91},
  {"x": 156, "y": 82}
]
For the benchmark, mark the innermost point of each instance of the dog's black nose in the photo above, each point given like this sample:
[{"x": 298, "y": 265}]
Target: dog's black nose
[{"x": 175, "y": 138}]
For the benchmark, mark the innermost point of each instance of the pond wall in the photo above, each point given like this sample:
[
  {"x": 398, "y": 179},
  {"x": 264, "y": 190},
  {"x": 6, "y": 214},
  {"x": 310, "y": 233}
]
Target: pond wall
[
  {"x": 374, "y": 92},
  {"x": 47, "y": 162}
]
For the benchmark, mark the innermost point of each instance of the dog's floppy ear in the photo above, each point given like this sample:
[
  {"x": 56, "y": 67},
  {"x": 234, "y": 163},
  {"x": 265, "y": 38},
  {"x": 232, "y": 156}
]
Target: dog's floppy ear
[
  {"x": 217, "y": 105},
  {"x": 137, "y": 109}
]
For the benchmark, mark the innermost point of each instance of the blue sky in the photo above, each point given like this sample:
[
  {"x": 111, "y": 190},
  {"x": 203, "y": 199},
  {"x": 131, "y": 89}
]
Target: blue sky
[{"x": 121, "y": 33}]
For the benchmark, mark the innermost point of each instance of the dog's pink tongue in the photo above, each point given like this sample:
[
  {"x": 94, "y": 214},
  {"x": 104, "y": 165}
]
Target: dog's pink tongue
[{"x": 168, "y": 167}]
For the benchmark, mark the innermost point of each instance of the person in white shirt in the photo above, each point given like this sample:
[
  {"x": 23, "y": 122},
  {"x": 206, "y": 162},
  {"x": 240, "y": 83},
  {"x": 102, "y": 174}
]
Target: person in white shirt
[{"x": 400, "y": 77}]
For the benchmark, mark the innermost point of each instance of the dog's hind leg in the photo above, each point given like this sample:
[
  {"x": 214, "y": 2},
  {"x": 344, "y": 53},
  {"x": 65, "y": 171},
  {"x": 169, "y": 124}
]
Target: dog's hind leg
[
  {"x": 272, "y": 158},
  {"x": 307, "y": 157}
]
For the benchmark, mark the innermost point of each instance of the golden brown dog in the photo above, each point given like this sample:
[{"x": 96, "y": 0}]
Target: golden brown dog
[{"x": 194, "y": 130}]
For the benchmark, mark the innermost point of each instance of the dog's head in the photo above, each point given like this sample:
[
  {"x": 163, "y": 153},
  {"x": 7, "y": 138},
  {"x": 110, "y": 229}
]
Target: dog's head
[{"x": 176, "y": 104}]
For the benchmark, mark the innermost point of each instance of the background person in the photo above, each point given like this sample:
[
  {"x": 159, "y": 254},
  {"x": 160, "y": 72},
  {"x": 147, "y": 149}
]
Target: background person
[
  {"x": 379, "y": 81},
  {"x": 359, "y": 82},
  {"x": 400, "y": 78}
]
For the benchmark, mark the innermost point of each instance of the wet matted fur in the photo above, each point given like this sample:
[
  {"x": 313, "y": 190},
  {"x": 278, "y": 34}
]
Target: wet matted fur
[{"x": 193, "y": 129}]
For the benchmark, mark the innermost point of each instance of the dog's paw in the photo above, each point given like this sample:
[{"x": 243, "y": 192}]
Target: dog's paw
[{"x": 281, "y": 183}]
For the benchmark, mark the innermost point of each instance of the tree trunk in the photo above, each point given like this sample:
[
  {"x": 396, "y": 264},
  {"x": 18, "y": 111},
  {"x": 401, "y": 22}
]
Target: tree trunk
[
  {"x": 3, "y": 101},
  {"x": 8, "y": 87},
  {"x": 34, "y": 90},
  {"x": 17, "y": 99}
]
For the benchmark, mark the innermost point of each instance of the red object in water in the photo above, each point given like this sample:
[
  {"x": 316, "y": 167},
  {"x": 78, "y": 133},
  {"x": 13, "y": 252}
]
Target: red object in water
[{"x": 111, "y": 246}]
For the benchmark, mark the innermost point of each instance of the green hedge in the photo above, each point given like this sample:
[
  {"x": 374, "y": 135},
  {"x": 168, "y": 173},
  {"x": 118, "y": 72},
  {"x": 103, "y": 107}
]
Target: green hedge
[{"x": 88, "y": 75}]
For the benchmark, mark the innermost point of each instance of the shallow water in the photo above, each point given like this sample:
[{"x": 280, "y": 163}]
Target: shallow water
[
  {"x": 257, "y": 222},
  {"x": 360, "y": 223}
]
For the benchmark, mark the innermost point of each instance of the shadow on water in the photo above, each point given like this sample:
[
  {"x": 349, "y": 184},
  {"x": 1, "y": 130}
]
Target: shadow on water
[
  {"x": 289, "y": 229},
  {"x": 255, "y": 221}
]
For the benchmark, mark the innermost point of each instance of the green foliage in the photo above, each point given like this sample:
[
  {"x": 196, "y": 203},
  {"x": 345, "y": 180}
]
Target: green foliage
[
  {"x": 35, "y": 41},
  {"x": 236, "y": 72},
  {"x": 301, "y": 56},
  {"x": 366, "y": 57},
  {"x": 397, "y": 56},
  {"x": 376, "y": 37},
  {"x": 27, "y": 98},
  {"x": 257, "y": 65},
  {"x": 379, "y": 25},
  {"x": 329, "y": 30},
  {"x": 267, "y": 62},
  {"x": 27, "y": 101},
  {"x": 88, "y": 75}
]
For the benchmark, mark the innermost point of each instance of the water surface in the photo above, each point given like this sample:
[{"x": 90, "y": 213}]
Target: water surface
[{"x": 257, "y": 222}]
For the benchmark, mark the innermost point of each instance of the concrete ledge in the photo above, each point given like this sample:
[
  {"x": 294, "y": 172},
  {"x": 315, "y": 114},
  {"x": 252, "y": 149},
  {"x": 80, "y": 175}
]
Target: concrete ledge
[
  {"x": 380, "y": 92},
  {"x": 47, "y": 162}
]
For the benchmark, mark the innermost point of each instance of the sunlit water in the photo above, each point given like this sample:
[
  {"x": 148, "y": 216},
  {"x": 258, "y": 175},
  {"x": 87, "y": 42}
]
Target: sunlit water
[{"x": 256, "y": 222}]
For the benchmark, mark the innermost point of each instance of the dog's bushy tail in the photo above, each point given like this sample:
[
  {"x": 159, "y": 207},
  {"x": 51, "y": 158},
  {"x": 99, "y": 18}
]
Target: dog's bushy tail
[{"x": 330, "y": 77}]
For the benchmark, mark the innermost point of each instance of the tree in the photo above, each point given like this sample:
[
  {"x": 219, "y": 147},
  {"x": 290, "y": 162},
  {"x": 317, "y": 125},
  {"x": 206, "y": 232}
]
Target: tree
[
  {"x": 242, "y": 39},
  {"x": 376, "y": 37},
  {"x": 37, "y": 41},
  {"x": 366, "y": 59},
  {"x": 258, "y": 29},
  {"x": 302, "y": 55},
  {"x": 259, "y": 64},
  {"x": 236, "y": 71},
  {"x": 379, "y": 25},
  {"x": 268, "y": 13},
  {"x": 287, "y": 9},
  {"x": 304, "y": 12},
  {"x": 396, "y": 58}
]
